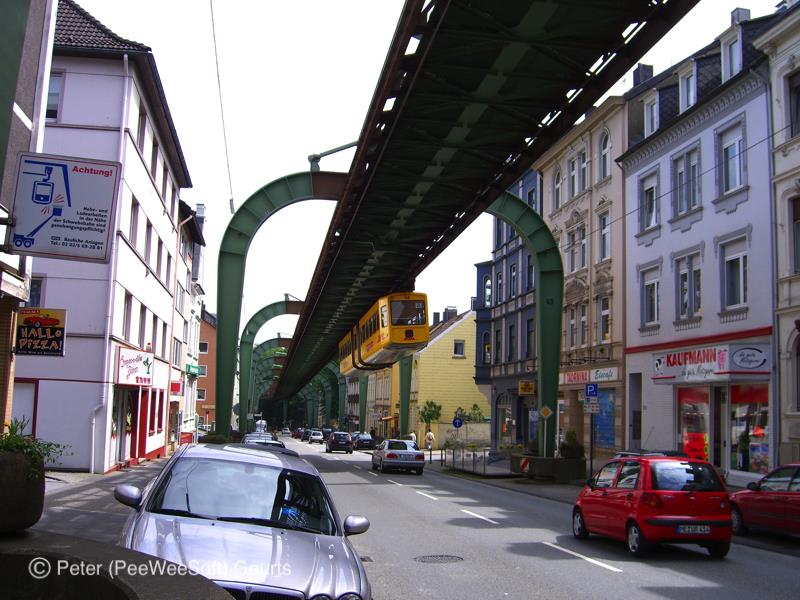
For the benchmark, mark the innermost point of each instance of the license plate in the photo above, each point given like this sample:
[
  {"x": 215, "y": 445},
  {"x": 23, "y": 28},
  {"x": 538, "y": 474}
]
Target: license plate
[{"x": 694, "y": 529}]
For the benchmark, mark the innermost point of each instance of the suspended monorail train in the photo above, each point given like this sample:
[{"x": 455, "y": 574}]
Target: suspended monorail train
[{"x": 394, "y": 327}]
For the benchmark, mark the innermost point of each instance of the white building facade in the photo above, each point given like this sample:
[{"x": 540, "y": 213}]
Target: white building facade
[
  {"x": 699, "y": 267},
  {"x": 108, "y": 396},
  {"x": 781, "y": 43}
]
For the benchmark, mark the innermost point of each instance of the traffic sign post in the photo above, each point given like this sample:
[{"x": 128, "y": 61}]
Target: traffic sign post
[
  {"x": 592, "y": 406},
  {"x": 545, "y": 414}
]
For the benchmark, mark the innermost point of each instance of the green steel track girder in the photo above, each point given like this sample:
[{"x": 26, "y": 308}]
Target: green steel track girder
[
  {"x": 254, "y": 325},
  {"x": 243, "y": 226},
  {"x": 549, "y": 297}
]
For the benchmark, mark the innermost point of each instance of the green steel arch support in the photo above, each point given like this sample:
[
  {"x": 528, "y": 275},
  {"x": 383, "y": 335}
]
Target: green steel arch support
[
  {"x": 341, "y": 409},
  {"x": 330, "y": 389},
  {"x": 261, "y": 353},
  {"x": 549, "y": 298},
  {"x": 243, "y": 226},
  {"x": 247, "y": 339}
]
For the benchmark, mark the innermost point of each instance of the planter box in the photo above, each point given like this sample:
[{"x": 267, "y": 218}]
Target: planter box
[
  {"x": 21, "y": 495},
  {"x": 560, "y": 470}
]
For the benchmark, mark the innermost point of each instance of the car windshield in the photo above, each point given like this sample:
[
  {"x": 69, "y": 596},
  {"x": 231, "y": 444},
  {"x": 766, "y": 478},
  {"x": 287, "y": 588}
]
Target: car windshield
[
  {"x": 401, "y": 445},
  {"x": 246, "y": 493},
  {"x": 684, "y": 476},
  {"x": 341, "y": 436}
]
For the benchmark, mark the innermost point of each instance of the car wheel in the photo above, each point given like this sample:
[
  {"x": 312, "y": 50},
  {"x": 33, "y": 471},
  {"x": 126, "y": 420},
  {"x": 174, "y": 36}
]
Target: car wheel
[
  {"x": 578, "y": 527},
  {"x": 637, "y": 544},
  {"x": 418, "y": 471},
  {"x": 383, "y": 469},
  {"x": 719, "y": 549},
  {"x": 737, "y": 521}
]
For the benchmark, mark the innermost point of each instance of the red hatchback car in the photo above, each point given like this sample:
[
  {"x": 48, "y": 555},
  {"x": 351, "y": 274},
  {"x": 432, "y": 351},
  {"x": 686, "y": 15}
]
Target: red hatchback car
[
  {"x": 647, "y": 498},
  {"x": 772, "y": 503}
]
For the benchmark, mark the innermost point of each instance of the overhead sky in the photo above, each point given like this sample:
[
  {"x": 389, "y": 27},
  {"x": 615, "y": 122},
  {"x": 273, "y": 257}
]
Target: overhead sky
[{"x": 297, "y": 78}]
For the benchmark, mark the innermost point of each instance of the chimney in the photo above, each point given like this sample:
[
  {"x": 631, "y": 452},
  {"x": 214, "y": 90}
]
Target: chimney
[
  {"x": 739, "y": 14},
  {"x": 642, "y": 73},
  {"x": 435, "y": 319},
  {"x": 449, "y": 313}
]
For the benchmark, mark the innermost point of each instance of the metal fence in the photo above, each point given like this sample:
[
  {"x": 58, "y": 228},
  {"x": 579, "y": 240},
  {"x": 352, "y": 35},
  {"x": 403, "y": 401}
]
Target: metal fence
[{"x": 483, "y": 461}]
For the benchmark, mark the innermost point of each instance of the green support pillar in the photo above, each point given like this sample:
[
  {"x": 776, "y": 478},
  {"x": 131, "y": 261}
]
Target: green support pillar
[
  {"x": 405, "y": 392},
  {"x": 549, "y": 299},
  {"x": 363, "y": 381},
  {"x": 231, "y": 266},
  {"x": 342, "y": 403},
  {"x": 285, "y": 411}
]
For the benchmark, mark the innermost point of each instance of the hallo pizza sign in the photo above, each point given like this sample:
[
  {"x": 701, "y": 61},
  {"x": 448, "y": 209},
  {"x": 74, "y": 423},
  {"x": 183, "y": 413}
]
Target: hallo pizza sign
[{"x": 41, "y": 331}]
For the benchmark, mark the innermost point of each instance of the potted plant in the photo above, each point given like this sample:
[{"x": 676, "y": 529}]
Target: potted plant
[
  {"x": 22, "y": 460},
  {"x": 571, "y": 447}
]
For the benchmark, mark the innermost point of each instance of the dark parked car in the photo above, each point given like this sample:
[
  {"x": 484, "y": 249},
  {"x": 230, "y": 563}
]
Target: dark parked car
[
  {"x": 326, "y": 431},
  {"x": 649, "y": 498},
  {"x": 363, "y": 441},
  {"x": 233, "y": 512},
  {"x": 339, "y": 440},
  {"x": 773, "y": 503},
  {"x": 306, "y": 435}
]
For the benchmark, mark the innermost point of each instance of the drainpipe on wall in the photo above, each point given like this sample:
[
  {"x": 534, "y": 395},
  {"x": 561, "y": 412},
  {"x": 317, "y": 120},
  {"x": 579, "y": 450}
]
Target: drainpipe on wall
[{"x": 112, "y": 264}]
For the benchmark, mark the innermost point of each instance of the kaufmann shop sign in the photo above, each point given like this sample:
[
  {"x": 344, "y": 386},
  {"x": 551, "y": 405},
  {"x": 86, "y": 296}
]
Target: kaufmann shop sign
[
  {"x": 725, "y": 362},
  {"x": 63, "y": 207}
]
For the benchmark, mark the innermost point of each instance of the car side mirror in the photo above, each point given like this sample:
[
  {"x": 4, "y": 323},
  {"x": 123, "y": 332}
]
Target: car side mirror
[
  {"x": 129, "y": 495},
  {"x": 355, "y": 524},
  {"x": 753, "y": 486}
]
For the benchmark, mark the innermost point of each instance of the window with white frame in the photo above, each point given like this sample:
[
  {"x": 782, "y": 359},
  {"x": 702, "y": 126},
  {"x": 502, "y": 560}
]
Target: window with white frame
[
  {"x": 203, "y": 370},
  {"x": 35, "y": 292},
  {"x": 512, "y": 281},
  {"x": 142, "y": 325},
  {"x": 794, "y": 105},
  {"x": 557, "y": 185},
  {"x": 734, "y": 274},
  {"x": 458, "y": 348},
  {"x": 731, "y": 160},
  {"x": 686, "y": 181},
  {"x": 487, "y": 291},
  {"x": 133, "y": 232},
  {"x": 571, "y": 250},
  {"x": 54, "y": 96},
  {"x": 604, "y": 319},
  {"x": 648, "y": 202},
  {"x": 148, "y": 241},
  {"x": 650, "y": 297},
  {"x": 202, "y": 347},
  {"x": 795, "y": 208},
  {"x": 201, "y": 394},
  {"x": 177, "y": 352},
  {"x": 572, "y": 174},
  {"x": 581, "y": 246},
  {"x": 605, "y": 156},
  {"x": 127, "y": 316},
  {"x": 582, "y": 329},
  {"x": 650, "y": 115},
  {"x": 582, "y": 171},
  {"x": 604, "y": 236},
  {"x": 689, "y": 287},
  {"x": 154, "y": 335},
  {"x": 731, "y": 56},
  {"x": 571, "y": 333},
  {"x": 688, "y": 90},
  {"x": 499, "y": 288}
]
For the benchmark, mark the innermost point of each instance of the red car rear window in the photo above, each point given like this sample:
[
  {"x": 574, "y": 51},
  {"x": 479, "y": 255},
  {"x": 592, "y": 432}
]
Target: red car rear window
[{"x": 684, "y": 476}]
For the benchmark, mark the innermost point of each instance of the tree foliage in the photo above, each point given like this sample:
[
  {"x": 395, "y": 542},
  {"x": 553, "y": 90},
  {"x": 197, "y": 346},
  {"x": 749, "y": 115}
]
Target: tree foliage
[{"x": 431, "y": 412}]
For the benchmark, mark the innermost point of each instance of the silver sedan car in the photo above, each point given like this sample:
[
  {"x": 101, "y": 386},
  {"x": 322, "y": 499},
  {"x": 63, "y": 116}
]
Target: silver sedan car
[
  {"x": 260, "y": 523},
  {"x": 398, "y": 454}
]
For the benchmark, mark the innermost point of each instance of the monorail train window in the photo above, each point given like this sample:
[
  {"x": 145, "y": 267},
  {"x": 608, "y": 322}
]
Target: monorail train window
[
  {"x": 384, "y": 316},
  {"x": 408, "y": 312}
]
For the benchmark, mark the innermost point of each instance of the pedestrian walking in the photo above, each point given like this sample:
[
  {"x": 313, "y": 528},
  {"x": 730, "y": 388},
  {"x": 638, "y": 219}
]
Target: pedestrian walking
[
  {"x": 429, "y": 439},
  {"x": 413, "y": 437}
]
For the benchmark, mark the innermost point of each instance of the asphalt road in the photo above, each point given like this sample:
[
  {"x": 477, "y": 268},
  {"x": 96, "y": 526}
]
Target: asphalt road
[
  {"x": 502, "y": 543},
  {"x": 513, "y": 545}
]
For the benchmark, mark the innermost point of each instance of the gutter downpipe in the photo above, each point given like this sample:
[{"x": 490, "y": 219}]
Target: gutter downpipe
[
  {"x": 113, "y": 266},
  {"x": 172, "y": 330},
  {"x": 776, "y": 380}
]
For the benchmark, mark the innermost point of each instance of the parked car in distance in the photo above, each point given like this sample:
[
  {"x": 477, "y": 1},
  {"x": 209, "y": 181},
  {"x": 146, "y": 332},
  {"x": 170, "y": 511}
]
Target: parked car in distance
[
  {"x": 316, "y": 437},
  {"x": 772, "y": 503},
  {"x": 648, "y": 498},
  {"x": 339, "y": 440},
  {"x": 362, "y": 441},
  {"x": 326, "y": 431},
  {"x": 286, "y": 431},
  {"x": 242, "y": 510},
  {"x": 297, "y": 433},
  {"x": 398, "y": 454},
  {"x": 305, "y": 435},
  {"x": 262, "y": 440}
]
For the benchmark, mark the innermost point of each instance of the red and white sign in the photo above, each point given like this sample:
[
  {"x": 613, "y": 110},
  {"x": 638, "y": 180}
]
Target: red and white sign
[
  {"x": 713, "y": 363},
  {"x": 524, "y": 465},
  {"x": 135, "y": 367}
]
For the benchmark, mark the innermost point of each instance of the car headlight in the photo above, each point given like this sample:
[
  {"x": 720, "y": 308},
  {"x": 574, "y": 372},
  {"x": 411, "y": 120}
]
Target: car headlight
[{"x": 350, "y": 597}]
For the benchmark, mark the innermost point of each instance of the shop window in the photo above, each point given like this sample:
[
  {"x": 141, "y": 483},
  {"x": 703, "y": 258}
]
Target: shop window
[
  {"x": 749, "y": 428},
  {"x": 693, "y": 405}
]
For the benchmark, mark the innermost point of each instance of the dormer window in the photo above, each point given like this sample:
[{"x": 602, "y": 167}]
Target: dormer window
[
  {"x": 731, "y": 56},
  {"x": 688, "y": 89},
  {"x": 650, "y": 115}
]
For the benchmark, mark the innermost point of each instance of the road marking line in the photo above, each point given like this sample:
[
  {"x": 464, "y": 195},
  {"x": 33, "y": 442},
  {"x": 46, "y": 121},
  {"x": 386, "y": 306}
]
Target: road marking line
[
  {"x": 394, "y": 482},
  {"x": 586, "y": 558},
  {"x": 356, "y": 467},
  {"x": 427, "y": 495},
  {"x": 469, "y": 512},
  {"x": 373, "y": 474}
]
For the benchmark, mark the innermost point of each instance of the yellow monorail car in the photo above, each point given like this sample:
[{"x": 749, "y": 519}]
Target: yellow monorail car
[{"x": 395, "y": 326}]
